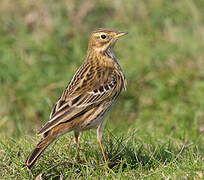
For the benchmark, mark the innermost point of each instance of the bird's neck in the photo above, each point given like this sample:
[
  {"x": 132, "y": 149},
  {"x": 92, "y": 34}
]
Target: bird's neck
[
  {"x": 100, "y": 57},
  {"x": 108, "y": 53},
  {"x": 103, "y": 58},
  {"x": 106, "y": 59}
]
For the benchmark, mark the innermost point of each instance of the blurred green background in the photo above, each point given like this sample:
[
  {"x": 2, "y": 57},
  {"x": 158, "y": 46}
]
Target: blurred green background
[{"x": 42, "y": 43}]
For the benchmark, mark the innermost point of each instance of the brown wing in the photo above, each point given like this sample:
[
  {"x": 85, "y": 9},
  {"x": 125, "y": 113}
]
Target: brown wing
[{"x": 88, "y": 88}]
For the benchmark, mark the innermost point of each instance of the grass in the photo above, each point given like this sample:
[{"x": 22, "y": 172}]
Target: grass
[
  {"x": 155, "y": 130},
  {"x": 135, "y": 155}
]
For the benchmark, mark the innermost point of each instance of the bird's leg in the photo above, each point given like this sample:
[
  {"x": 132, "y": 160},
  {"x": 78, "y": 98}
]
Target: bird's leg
[
  {"x": 76, "y": 136},
  {"x": 100, "y": 140}
]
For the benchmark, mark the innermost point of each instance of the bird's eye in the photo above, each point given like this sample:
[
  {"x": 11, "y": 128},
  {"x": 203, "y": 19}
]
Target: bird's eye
[{"x": 103, "y": 36}]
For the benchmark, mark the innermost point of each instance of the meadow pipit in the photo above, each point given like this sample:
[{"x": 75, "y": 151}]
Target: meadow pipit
[{"x": 89, "y": 95}]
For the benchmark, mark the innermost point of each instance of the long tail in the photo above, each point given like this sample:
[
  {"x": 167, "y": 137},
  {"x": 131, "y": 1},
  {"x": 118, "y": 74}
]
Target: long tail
[{"x": 42, "y": 145}]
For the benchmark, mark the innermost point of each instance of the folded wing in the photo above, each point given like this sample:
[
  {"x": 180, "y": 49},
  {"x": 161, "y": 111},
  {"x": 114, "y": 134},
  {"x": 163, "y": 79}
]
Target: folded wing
[{"x": 81, "y": 95}]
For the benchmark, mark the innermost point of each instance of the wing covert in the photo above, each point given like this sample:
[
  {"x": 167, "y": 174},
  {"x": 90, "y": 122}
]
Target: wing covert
[{"x": 82, "y": 96}]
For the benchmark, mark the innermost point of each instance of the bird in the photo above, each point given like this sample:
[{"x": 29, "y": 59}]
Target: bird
[{"x": 88, "y": 97}]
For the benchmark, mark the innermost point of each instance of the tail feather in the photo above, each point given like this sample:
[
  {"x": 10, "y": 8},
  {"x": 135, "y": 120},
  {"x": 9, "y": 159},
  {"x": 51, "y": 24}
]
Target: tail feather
[{"x": 42, "y": 145}]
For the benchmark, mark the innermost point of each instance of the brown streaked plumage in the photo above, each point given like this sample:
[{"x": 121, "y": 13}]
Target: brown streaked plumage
[{"x": 89, "y": 95}]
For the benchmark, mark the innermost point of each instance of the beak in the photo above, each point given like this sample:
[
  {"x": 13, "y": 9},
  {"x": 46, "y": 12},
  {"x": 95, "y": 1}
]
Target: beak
[{"x": 120, "y": 34}]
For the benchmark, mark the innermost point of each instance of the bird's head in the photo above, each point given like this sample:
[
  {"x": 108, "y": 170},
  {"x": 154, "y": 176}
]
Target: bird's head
[{"x": 103, "y": 39}]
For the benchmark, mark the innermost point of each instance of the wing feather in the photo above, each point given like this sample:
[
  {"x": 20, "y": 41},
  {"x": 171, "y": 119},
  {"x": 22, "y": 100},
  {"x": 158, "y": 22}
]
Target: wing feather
[{"x": 86, "y": 95}]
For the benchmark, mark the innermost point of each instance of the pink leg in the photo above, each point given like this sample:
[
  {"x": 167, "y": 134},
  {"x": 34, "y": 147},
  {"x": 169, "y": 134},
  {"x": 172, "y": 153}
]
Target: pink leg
[
  {"x": 76, "y": 136},
  {"x": 100, "y": 140}
]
